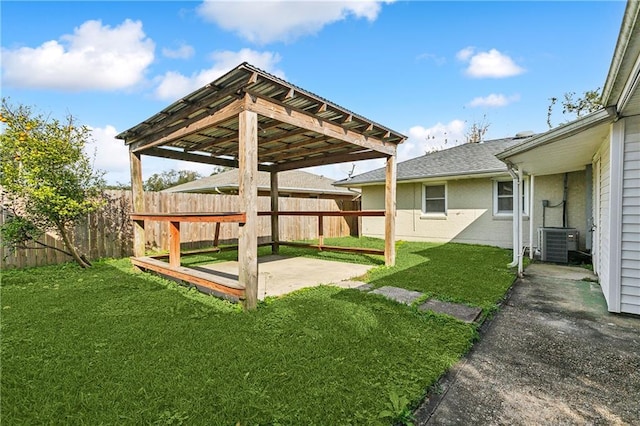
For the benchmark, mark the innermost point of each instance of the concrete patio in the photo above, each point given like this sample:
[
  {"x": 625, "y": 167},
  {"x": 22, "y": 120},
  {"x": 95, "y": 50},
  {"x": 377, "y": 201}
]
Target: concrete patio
[{"x": 280, "y": 275}]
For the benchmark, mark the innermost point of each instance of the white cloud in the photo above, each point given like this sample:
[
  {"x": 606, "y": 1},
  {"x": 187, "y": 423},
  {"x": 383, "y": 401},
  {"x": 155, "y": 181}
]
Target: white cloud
[
  {"x": 465, "y": 53},
  {"x": 341, "y": 170},
  {"x": 184, "y": 51},
  {"x": 421, "y": 140},
  {"x": 438, "y": 60},
  {"x": 491, "y": 64},
  {"x": 493, "y": 100},
  {"x": 282, "y": 20},
  {"x": 112, "y": 156},
  {"x": 95, "y": 57},
  {"x": 439, "y": 136},
  {"x": 173, "y": 85}
]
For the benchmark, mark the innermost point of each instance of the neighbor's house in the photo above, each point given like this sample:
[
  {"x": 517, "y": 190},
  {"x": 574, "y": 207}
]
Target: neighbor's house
[
  {"x": 607, "y": 144},
  {"x": 464, "y": 194},
  {"x": 292, "y": 183},
  {"x": 461, "y": 194}
]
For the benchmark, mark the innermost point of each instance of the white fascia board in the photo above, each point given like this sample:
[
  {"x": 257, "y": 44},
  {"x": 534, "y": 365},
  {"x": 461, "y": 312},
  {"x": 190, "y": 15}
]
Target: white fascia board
[
  {"x": 563, "y": 131},
  {"x": 627, "y": 29},
  {"x": 435, "y": 178}
]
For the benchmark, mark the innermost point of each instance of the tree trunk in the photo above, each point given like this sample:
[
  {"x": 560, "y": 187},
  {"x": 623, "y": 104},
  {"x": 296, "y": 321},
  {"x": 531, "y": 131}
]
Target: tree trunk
[{"x": 72, "y": 249}]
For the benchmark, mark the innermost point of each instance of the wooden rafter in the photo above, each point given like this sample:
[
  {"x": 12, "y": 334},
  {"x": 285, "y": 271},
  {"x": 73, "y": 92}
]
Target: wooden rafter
[
  {"x": 327, "y": 159},
  {"x": 181, "y": 131},
  {"x": 269, "y": 108},
  {"x": 196, "y": 158},
  {"x": 185, "y": 115}
]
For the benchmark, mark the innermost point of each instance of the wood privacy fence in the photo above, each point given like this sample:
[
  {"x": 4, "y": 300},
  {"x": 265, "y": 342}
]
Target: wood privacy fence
[{"x": 108, "y": 232}]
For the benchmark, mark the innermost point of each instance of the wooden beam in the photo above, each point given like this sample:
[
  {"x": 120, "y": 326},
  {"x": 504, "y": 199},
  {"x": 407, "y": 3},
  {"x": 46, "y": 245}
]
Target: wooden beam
[
  {"x": 210, "y": 281},
  {"x": 230, "y": 217},
  {"x": 290, "y": 94},
  {"x": 327, "y": 159},
  {"x": 234, "y": 137},
  {"x": 390, "y": 212},
  {"x": 185, "y": 129},
  {"x": 338, "y": 213},
  {"x": 137, "y": 194},
  {"x": 272, "y": 109},
  {"x": 304, "y": 152},
  {"x": 248, "y": 193},
  {"x": 280, "y": 137},
  {"x": 275, "y": 224},
  {"x": 216, "y": 141},
  {"x": 197, "y": 158},
  {"x": 334, "y": 248},
  {"x": 292, "y": 145},
  {"x": 322, "y": 108},
  {"x": 348, "y": 119},
  {"x": 174, "y": 244}
]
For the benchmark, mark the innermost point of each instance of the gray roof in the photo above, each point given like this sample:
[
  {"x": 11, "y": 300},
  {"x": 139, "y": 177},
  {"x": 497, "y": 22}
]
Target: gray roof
[
  {"x": 288, "y": 181},
  {"x": 466, "y": 159}
]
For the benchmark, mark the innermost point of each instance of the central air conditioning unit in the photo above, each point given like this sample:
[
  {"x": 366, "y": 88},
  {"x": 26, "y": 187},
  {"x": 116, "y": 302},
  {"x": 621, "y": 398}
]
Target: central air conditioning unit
[{"x": 556, "y": 243}]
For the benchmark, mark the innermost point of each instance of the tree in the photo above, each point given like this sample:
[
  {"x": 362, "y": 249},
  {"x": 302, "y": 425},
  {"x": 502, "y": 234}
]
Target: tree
[
  {"x": 48, "y": 181},
  {"x": 590, "y": 101},
  {"x": 476, "y": 132},
  {"x": 164, "y": 180}
]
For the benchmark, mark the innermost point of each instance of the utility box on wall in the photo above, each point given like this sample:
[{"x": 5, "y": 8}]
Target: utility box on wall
[{"x": 556, "y": 243}]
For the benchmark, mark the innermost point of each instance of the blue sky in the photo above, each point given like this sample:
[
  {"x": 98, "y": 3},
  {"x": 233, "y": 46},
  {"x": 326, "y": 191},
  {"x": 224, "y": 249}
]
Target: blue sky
[{"x": 426, "y": 69}]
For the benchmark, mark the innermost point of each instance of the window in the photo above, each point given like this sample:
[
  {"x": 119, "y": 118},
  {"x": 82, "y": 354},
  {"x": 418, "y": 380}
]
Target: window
[
  {"x": 435, "y": 199},
  {"x": 503, "y": 197}
]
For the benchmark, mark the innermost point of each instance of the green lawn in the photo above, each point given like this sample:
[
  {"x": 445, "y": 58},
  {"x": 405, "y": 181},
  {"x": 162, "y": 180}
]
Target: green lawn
[{"x": 110, "y": 346}]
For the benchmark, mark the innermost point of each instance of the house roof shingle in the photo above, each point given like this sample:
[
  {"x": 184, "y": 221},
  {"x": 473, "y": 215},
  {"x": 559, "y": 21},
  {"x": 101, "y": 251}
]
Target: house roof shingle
[
  {"x": 466, "y": 159},
  {"x": 288, "y": 181}
]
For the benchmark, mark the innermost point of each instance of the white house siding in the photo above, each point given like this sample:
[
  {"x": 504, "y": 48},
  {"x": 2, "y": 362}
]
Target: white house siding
[
  {"x": 551, "y": 187},
  {"x": 603, "y": 225},
  {"x": 469, "y": 217},
  {"x": 630, "y": 239}
]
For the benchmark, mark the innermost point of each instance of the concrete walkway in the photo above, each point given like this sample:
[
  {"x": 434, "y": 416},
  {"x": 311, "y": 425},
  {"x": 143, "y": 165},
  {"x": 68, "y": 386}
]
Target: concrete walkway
[{"x": 552, "y": 355}]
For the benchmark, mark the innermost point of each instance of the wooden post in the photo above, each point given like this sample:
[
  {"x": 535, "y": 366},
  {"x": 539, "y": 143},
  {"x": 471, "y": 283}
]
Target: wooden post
[
  {"x": 174, "y": 244},
  {"x": 216, "y": 235},
  {"x": 320, "y": 231},
  {"x": 137, "y": 194},
  {"x": 248, "y": 192},
  {"x": 275, "y": 220},
  {"x": 390, "y": 212}
]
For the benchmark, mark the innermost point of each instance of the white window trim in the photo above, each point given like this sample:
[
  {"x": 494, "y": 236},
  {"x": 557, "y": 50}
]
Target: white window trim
[
  {"x": 525, "y": 206},
  {"x": 424, "y": 201}
]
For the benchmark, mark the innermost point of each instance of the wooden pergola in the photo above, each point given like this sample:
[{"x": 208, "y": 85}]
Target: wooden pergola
[{"x": 252, "y": 120}]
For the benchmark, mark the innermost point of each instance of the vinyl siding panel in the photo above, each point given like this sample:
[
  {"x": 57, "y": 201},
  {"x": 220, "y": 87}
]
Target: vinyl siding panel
[
  {"x": 630, "y": 238},
  {"x": 603, "y": 225}
]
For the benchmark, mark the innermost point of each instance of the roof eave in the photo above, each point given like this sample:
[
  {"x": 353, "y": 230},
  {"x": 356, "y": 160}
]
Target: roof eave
[
  {"x": 431, "y": 178},
  {"x": 565, "y": 130},
  {"x": 614, "y": 87}
]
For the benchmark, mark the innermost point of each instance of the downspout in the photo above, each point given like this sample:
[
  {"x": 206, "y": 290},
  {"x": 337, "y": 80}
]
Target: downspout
[
  {"x": 516, "y": 206},
  {"x": 520, "y": 227},
  {"x": 531, "y": 208}
]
